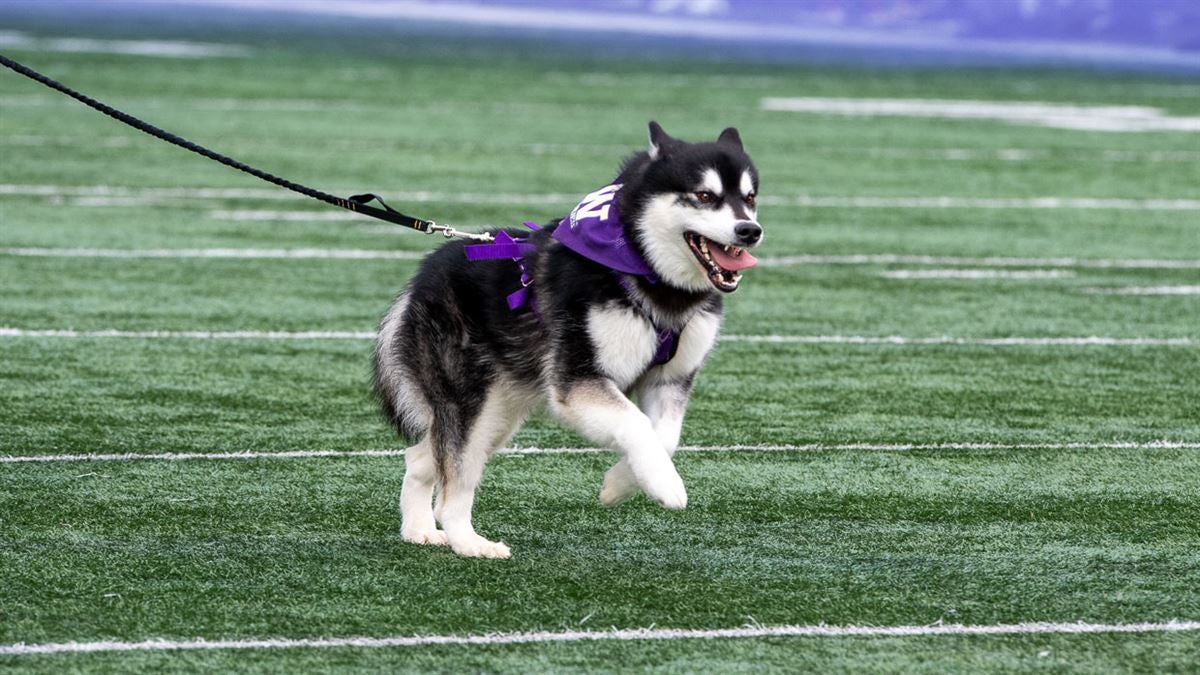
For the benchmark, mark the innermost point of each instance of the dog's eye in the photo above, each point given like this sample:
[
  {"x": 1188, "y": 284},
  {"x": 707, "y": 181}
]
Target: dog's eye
[
  {"x": 751, "y": 200},
  {"x": 705, "y": 197}
]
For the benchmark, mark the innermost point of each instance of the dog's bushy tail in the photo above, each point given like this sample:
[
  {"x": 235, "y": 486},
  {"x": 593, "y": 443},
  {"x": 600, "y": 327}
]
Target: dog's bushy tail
[{"x": 399, "y": 398}]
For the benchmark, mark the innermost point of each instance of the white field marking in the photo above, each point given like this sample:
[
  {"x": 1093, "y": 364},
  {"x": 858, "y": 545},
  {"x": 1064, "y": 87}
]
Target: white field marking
[
  {"x": 611, "y": 79},
  {"x": 105, "y": 195},
  {"x": 572, "y": 149},
  {"x": 1145, "y": 290},
  {"x": 191, "y": 334},
  {"x": 1053, "y": 115},
  {"x": 174, "y": 49},
  {"x": 8, "y": 332},
  {"x": 519, "y": 452},
  {"x": 31, "y": 140},
  {"x": 536, "y": 149},
  {"x": 778, "y": 261},
  {"x": 298, "y": 216},
  {"x": 976, "y": 274},
  {"x": 227, "y": 253},
  {"x": 619, "y": 635},
  {"x": 946, "y": 202},
  {"x": 901, "y": 259},
  {"x": 1019, "y": 154},
  {"x": 122, "y": 196},
  {"x": 1089, "y": 341},
  {"x": 212, "y": 104}
]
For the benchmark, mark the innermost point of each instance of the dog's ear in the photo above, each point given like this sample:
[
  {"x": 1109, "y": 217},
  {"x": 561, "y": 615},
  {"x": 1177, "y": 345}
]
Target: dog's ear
[
  {"x": 731, "y": 137},
  {"x": 660, "y": 141}
]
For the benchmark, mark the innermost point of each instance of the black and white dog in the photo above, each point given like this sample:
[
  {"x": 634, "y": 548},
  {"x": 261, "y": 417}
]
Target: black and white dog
[{"x": 621, "y": 298}]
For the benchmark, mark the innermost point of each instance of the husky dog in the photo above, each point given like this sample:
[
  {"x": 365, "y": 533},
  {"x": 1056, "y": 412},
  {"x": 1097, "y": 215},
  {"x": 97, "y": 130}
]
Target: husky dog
[{"x": 620, "y": 299}]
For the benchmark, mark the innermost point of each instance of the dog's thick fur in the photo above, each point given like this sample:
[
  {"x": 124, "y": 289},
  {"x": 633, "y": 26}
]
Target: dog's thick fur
[{"x": 457, "y": 372}]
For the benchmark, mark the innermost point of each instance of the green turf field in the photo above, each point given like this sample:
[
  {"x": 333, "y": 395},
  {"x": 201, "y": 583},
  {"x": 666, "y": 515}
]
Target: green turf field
[{"x": 1071, "y": 512}]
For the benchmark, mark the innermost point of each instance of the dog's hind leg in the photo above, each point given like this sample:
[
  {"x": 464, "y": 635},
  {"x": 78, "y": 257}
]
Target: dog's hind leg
[
  {"x": 464, "y": 453},
  {"x": 664, "y": 404},
  {"x": 602, "y": 414},
  {"x": 416, "y": 496}
]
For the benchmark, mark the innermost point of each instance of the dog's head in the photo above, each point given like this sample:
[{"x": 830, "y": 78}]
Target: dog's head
[{"x": 696, "y": 210}]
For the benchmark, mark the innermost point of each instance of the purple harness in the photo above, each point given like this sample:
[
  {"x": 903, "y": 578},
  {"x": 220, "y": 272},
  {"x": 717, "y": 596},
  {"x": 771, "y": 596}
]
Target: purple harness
[{"x": 594, "y": 231}]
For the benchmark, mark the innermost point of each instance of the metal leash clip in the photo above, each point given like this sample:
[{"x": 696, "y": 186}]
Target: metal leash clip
[{"x": 449, "y": 232}]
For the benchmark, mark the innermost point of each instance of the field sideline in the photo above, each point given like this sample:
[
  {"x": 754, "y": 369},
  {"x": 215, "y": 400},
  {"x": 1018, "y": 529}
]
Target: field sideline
[{"x": 952, "y": 425}]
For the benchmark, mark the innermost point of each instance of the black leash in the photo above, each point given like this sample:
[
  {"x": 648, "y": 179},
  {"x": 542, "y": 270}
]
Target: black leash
[{"x": 356, "y": 203}]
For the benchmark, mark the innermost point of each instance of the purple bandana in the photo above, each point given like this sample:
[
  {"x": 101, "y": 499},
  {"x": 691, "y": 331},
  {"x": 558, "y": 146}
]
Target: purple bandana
[{"x": 594, "y": 231}]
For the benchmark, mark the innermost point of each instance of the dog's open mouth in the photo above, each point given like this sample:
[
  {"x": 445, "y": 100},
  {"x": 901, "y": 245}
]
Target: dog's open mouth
[{"x": 722, "y": 263}]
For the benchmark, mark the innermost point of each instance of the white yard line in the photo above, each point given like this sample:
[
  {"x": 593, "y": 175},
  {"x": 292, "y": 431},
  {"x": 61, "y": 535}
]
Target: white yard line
[
  {"x": 106, "y": 195},
  {"x": 1054, "y": 115},
  {"x": 594, "y": 149},
  {"x": 976, "y": 274},
  {"x": 238, "y": 253},
  {"x": 903, "y": 259},
  {"x": 44, "y": 190},
  {"x": 518, "y": 452},
  {"x": 1145, "y": 290},
  {"x": 765, "y": 261},
  {"x": 238, "y": 105},
  {"x": 298, "y": 216},
  {"x": 1014, "y": 154},
  {"x": 627, "y": 634},
  {"x": 190, "y": 334},
  {"x": 33, "y": 140},
  {"x": 174, "y": 49},
  {"x": 1086, "y": 341},
  {"x": 1037, "y": 203}
]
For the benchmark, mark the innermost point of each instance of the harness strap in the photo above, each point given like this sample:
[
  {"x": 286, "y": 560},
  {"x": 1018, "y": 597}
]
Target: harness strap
[
  {"x": 668, "y": 338},
  {"x": 506, "y": 246}
]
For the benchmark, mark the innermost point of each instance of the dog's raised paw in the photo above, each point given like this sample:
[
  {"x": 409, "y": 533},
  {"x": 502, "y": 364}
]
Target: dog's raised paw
[
  {"x": 478, "y": 547},
  {"x": 426, "y": 537},
  {"x": 615, "y": 495},
  {"x": 619, "y": 485}
]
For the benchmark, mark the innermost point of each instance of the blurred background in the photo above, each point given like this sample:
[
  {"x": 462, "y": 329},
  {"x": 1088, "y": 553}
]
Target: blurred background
[{"x": 1138, "y": 34}]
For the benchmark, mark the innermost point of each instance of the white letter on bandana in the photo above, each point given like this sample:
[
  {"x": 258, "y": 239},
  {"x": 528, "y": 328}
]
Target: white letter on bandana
[{"x": 595, "y": 205}]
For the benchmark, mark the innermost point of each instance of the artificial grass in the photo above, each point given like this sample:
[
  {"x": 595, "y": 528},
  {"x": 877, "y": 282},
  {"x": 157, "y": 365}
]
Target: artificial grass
[
  {"x": 1084, "y": 654},
  {"x": 305, "y": 548},
  {"x": 310, "y": 547}
]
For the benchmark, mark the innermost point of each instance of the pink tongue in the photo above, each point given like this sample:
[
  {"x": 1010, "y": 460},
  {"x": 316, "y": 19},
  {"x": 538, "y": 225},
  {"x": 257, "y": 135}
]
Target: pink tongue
[{"x": 729, "y": 262}]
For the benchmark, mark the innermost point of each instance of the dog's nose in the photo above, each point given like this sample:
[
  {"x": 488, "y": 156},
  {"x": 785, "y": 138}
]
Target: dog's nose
[{"x": 748, "y": 232}]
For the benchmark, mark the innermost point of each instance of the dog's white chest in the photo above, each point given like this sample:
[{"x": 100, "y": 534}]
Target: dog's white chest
[
  {"x": 696, "y": 340},
  {"x": 625, "y": 343}
]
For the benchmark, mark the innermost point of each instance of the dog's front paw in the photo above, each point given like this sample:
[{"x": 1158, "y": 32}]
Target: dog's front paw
[
  {"x": 432, "y": 537},
  {"x": 668, "y": 491},
  {"x": 656, "y": 475},
  {"x": 478, "y": 547},
  {"x": 619, "y": 484}
]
